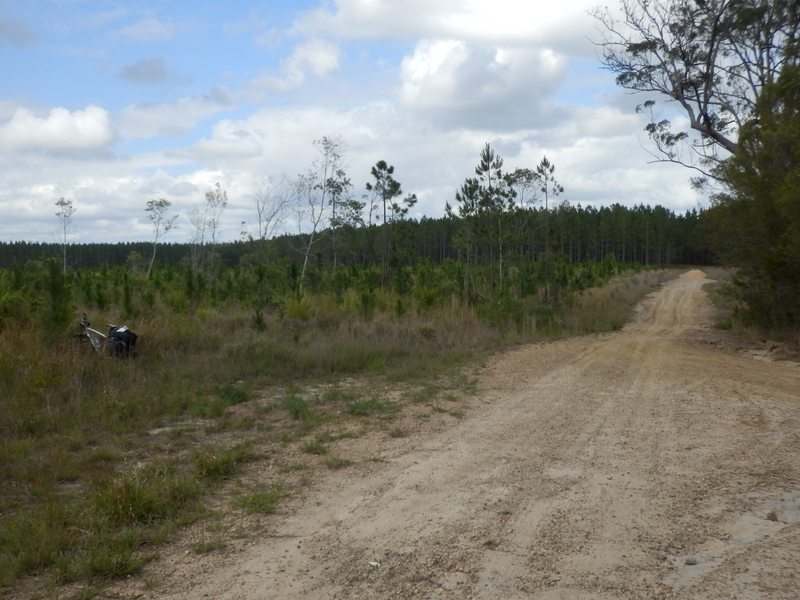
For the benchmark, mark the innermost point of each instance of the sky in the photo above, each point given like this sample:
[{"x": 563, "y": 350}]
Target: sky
[{"x": 111, "y": 104}]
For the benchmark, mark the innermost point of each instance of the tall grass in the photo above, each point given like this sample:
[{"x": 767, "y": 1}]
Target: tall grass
[
  {"x": 608, "y": 308},
  {"x": 85, "y": 489}
]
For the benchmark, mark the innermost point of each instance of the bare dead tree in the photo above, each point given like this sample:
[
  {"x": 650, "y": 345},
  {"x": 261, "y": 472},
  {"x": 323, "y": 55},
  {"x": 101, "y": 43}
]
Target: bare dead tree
[{"x": 273, "y": 198}]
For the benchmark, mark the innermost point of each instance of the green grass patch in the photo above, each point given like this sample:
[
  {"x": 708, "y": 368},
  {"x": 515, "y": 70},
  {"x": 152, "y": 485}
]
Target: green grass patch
[
  {"x": 300, "y": 409},
  {"x": 365, "y": 407},
  {"x": 213, "y": 464},
  {"x": 263, "y": 502},
  {"x": 225, "y": 396},
  {"x": 315, "y": 447}
]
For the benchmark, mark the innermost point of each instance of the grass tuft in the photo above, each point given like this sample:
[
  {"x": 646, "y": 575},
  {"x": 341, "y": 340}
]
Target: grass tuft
[
  {"x": 298, "y": 408},
  {"x": 263, "y": 502},
  {"x": 365, "y": 407},
  {"x": 213, "y": 464},
  {"x": 335, "y": 462},
  {"x": 315, "y": 447}
]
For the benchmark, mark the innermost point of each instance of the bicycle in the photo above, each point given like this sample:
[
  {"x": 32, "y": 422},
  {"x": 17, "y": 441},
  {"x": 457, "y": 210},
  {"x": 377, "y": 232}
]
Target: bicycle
[{"x": 119, "y": 341}]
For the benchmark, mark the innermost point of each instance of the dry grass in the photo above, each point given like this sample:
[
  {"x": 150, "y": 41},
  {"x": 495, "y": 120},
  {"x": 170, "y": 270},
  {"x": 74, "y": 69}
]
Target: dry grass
[
  {"x": 609, "y": 307},
  {"x": 88, "y": 487}
]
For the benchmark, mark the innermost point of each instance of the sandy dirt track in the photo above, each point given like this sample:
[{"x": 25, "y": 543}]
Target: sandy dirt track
[{"x": 647, "y": 463}]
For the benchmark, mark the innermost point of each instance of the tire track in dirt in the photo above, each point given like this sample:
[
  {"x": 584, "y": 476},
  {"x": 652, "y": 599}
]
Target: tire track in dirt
[{"x": 638, "y": 464}]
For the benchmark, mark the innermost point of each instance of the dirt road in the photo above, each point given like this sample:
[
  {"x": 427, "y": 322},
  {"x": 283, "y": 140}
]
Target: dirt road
[{"x": 646, "y": 463}]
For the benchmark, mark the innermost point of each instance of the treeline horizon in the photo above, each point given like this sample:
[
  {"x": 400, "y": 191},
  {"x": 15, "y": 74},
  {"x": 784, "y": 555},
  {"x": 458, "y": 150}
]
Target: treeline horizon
[{"x": 649, "y": 236}]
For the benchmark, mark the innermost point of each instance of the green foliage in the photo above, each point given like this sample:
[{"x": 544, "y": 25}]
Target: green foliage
[
  {"x": 114, "y": 559},
  {"x": 259, "y": 324},
  {"x": 756, "y": 224},
  {"x": 55, "y": 314},
  {"x": 14, "y": 305}
]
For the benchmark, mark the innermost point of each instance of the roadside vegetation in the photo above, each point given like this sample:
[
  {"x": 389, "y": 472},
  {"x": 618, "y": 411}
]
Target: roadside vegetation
[
  {"x": 734, "y": 317},
  {"x": 739, "y": 133},
  {"x": 103, "y": 460}
]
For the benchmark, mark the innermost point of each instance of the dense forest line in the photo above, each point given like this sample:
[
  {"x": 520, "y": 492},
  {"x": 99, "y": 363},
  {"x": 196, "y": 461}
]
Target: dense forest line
[{"x": 651, "y": 236}]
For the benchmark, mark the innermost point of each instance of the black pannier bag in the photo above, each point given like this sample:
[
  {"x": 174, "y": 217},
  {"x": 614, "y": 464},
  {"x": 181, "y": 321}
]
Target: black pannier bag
[{"x": 122, "y": 341}]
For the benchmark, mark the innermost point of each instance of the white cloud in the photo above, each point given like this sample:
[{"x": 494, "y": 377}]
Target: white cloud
[
  {"x": 317, "y": 56},
  {"x": 501, "y": 21},
  {"x": 226, "y": 146},
  {"x": 378, "y": 19},
  {"x": 183, "y": 188},
  {"x": 76, "y": 133},
  {"x": 146, "y": 30},
  {"x": 7, "y": 109},
  {"x": 478, "y": 86},
  {"x": 145, "y": 120}
]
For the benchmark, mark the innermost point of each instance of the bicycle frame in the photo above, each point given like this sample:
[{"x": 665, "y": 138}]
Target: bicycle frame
[{"x": 98, "y": 339}]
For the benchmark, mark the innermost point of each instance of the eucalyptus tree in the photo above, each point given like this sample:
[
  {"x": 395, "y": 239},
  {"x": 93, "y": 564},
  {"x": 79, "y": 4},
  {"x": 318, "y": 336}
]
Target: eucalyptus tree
[
  {"x": 273, "y": 198},
  {"x": 710, "y": 57},
  {"x": 162, "y": 224},
  {"x": 320, "y": 193},
  {"x": 216, "y": 202},
  {"x": 716, "y": 59},
  {"x": 66, "y": 228},
  {"x": 346, "y": 211},
  {"x": 206, "y": 224},
  {"x": 524, "y": 183}
]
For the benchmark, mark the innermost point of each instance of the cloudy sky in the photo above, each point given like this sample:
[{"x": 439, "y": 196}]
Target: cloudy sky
[{"x": 111, "y": 104}]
